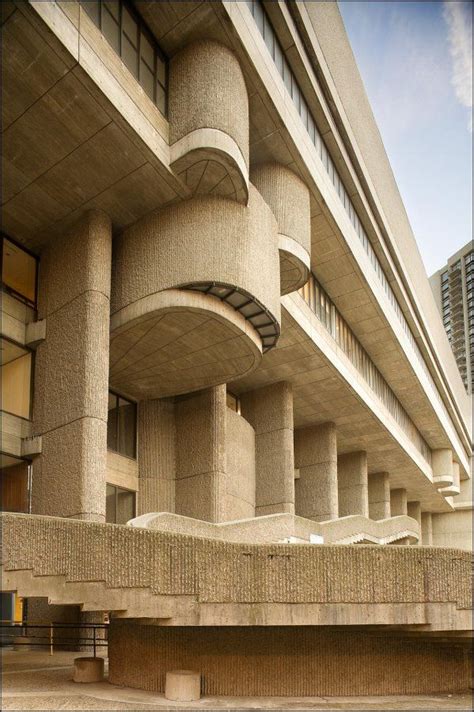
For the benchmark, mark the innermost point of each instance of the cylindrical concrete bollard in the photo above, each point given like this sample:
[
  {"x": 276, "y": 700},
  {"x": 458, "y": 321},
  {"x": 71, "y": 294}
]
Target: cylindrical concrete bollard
[
  {"x": 183, "y": 685},
  {"x": 88, "y": 669}
]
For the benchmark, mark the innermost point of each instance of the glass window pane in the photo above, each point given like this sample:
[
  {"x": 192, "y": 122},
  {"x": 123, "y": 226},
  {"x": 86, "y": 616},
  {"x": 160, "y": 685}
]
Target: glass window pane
[
  {"x": 126, "y": 427},
  {"x": 287, "y": 74},
  {"x": 295, "y": 93},
  {"x": 129, "y": 55},
  {"x": 278, "y": 57},
  {"x": 129, "y": 26},
  {"x": 125, "y": 506},
  {"x": 232, "y": 402},
  {"x": 16, "y": 379},
  {"x": 111, "y": 30},
  {"x": 14, "y": 485},
  {"x": 113, "y": 6},
  {"x": 268, "y": 36},
  {"x": 161, "y": 71},
  {"x": 258, "y": 14},
  {"x": 19, "y": 270},
  {"x": 110, "y": 513},
  {"x": 160, "y": 98},
  {"x": 93, "y": 10},
  {"x": 146, "y": 79},
  {"x": 304, "y": 112},
  {"x": 146, "y": 51},
  {"x": 112, "y": 443}
]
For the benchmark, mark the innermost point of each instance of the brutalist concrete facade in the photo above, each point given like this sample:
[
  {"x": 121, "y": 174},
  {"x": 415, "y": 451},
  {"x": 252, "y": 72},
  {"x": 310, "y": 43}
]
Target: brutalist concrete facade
[{"x": 218, "y": 252}]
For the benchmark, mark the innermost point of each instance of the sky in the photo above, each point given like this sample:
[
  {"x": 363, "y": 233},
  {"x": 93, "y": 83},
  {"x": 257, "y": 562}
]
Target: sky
[{"x": 415, "y": 59}]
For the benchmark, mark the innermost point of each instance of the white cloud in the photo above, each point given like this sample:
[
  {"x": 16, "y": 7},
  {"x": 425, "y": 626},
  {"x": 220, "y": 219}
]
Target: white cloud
[{"x": 458, "y": 17}]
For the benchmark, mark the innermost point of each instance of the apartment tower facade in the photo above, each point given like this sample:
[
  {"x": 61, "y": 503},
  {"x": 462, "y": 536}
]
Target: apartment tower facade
[
  {"x": 231, "y": 417},
  {"x": 453, "y": 289}
]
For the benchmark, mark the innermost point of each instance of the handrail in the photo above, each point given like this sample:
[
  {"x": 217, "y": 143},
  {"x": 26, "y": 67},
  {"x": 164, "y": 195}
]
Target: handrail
[{"x": 51, "y": 641}]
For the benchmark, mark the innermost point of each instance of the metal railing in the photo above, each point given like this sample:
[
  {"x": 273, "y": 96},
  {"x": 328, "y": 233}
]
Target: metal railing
[{"x": 12, "y": 633}]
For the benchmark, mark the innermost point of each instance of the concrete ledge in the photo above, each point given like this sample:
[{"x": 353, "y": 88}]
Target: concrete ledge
[{"x": 35, "y": 333}]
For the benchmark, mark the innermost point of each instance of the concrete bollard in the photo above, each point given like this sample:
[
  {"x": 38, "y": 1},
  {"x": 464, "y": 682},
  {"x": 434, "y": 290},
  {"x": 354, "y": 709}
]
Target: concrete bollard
[
  {"x": 88, "y": 669},
  {"x": 183, "y": 685}
]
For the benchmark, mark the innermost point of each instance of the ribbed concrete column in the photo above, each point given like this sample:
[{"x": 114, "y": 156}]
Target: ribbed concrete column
[
  {"x": 200, "y": 454},
  {"x": 270, "y": 412},
  {"x": 352, "y": 478},
  {"x": 156, "y": 456},
  {"x": 71, "y": 372},
  {"x": 398, "y": 502},
  {"x": 316, "y": 458},
  {"x": 414, "y": 511},
  {"x": 379, "y": 495},
  {"x": 427, "y": 529}
]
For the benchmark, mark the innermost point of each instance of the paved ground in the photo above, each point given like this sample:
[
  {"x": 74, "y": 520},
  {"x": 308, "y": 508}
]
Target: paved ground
[{"x": 35, "y": 680}]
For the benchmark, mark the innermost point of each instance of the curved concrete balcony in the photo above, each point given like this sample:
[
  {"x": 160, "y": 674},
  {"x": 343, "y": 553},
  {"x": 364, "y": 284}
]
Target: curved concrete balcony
[
  {"x": 289, "y": 199},
  {"x": 209, "y": 120},
  {"x": 189, "y": 580},
  {"x": 443, "y": 471},
  {"x": 195, "y": 296},
  {"x": 454, "y": 487},
  {"x": 278, "y": 528}
]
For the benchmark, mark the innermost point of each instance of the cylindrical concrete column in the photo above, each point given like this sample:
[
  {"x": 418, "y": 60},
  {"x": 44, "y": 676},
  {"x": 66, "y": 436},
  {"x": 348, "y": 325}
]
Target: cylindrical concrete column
[
  {"x": 426, "y": 529},
  {"x": 352, "y": 478},
  {"x": 209, "y": 120},
  {"x": 414, "y": 511},
  {"x": 398, "y": 502},
  {"x": 156, "y": 456},
  {"x": 71, "y": 373},
  {"x": 316, "y": 494},
  {"x": 288, "y": 198},
  {"x": 201, "y": 455},
  {"x": 379, "y": 495},
  {"x": 270, "y": 412}
]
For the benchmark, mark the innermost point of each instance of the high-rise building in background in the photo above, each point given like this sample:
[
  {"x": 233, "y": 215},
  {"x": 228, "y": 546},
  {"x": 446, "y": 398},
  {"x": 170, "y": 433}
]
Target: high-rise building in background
[
  {"x": 223, "y": 368},
  {"x": 453, "y": 288}
]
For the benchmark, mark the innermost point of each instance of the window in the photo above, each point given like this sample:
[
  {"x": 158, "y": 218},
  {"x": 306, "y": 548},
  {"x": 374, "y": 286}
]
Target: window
[
  {"x": 119, "y": 505},
  {"x": 14, "y": 484},
  {"x": 17, "y": 372},
  {"x": 131, "y": 40},
  {"x": 122, "y": 426},
  {"x": 233, "y": 402},
  {"x": 19, "y": 271}
]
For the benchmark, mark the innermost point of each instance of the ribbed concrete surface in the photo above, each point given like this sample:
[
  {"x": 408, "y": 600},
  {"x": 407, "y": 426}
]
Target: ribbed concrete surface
[{"x": 284, "y": 661}]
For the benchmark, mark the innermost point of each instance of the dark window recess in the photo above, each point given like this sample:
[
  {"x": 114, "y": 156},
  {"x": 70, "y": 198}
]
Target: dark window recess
[
  {"x": 130, "y": 38},
  {"x": 122, "y": 426},
  {"x": 120, "y": 505},
  {"x": 19, "y": 271}
]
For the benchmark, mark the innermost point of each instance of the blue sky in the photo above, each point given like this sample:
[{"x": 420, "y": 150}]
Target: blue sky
[{"x": 415, "y": 61}]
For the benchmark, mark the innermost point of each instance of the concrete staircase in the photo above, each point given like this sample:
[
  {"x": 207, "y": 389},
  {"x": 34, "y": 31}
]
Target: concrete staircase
[{"x": 288, "y": 528}]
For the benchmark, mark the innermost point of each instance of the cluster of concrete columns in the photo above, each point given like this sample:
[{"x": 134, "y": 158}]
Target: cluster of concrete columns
[
  {"x": 195, "y": 457},
  {"x": 329, "y": 486}
]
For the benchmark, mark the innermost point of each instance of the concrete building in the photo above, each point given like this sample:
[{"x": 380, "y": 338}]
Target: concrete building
[
  {"x": 217, "y": 327},
  {"x": 453, "y": 289}
]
